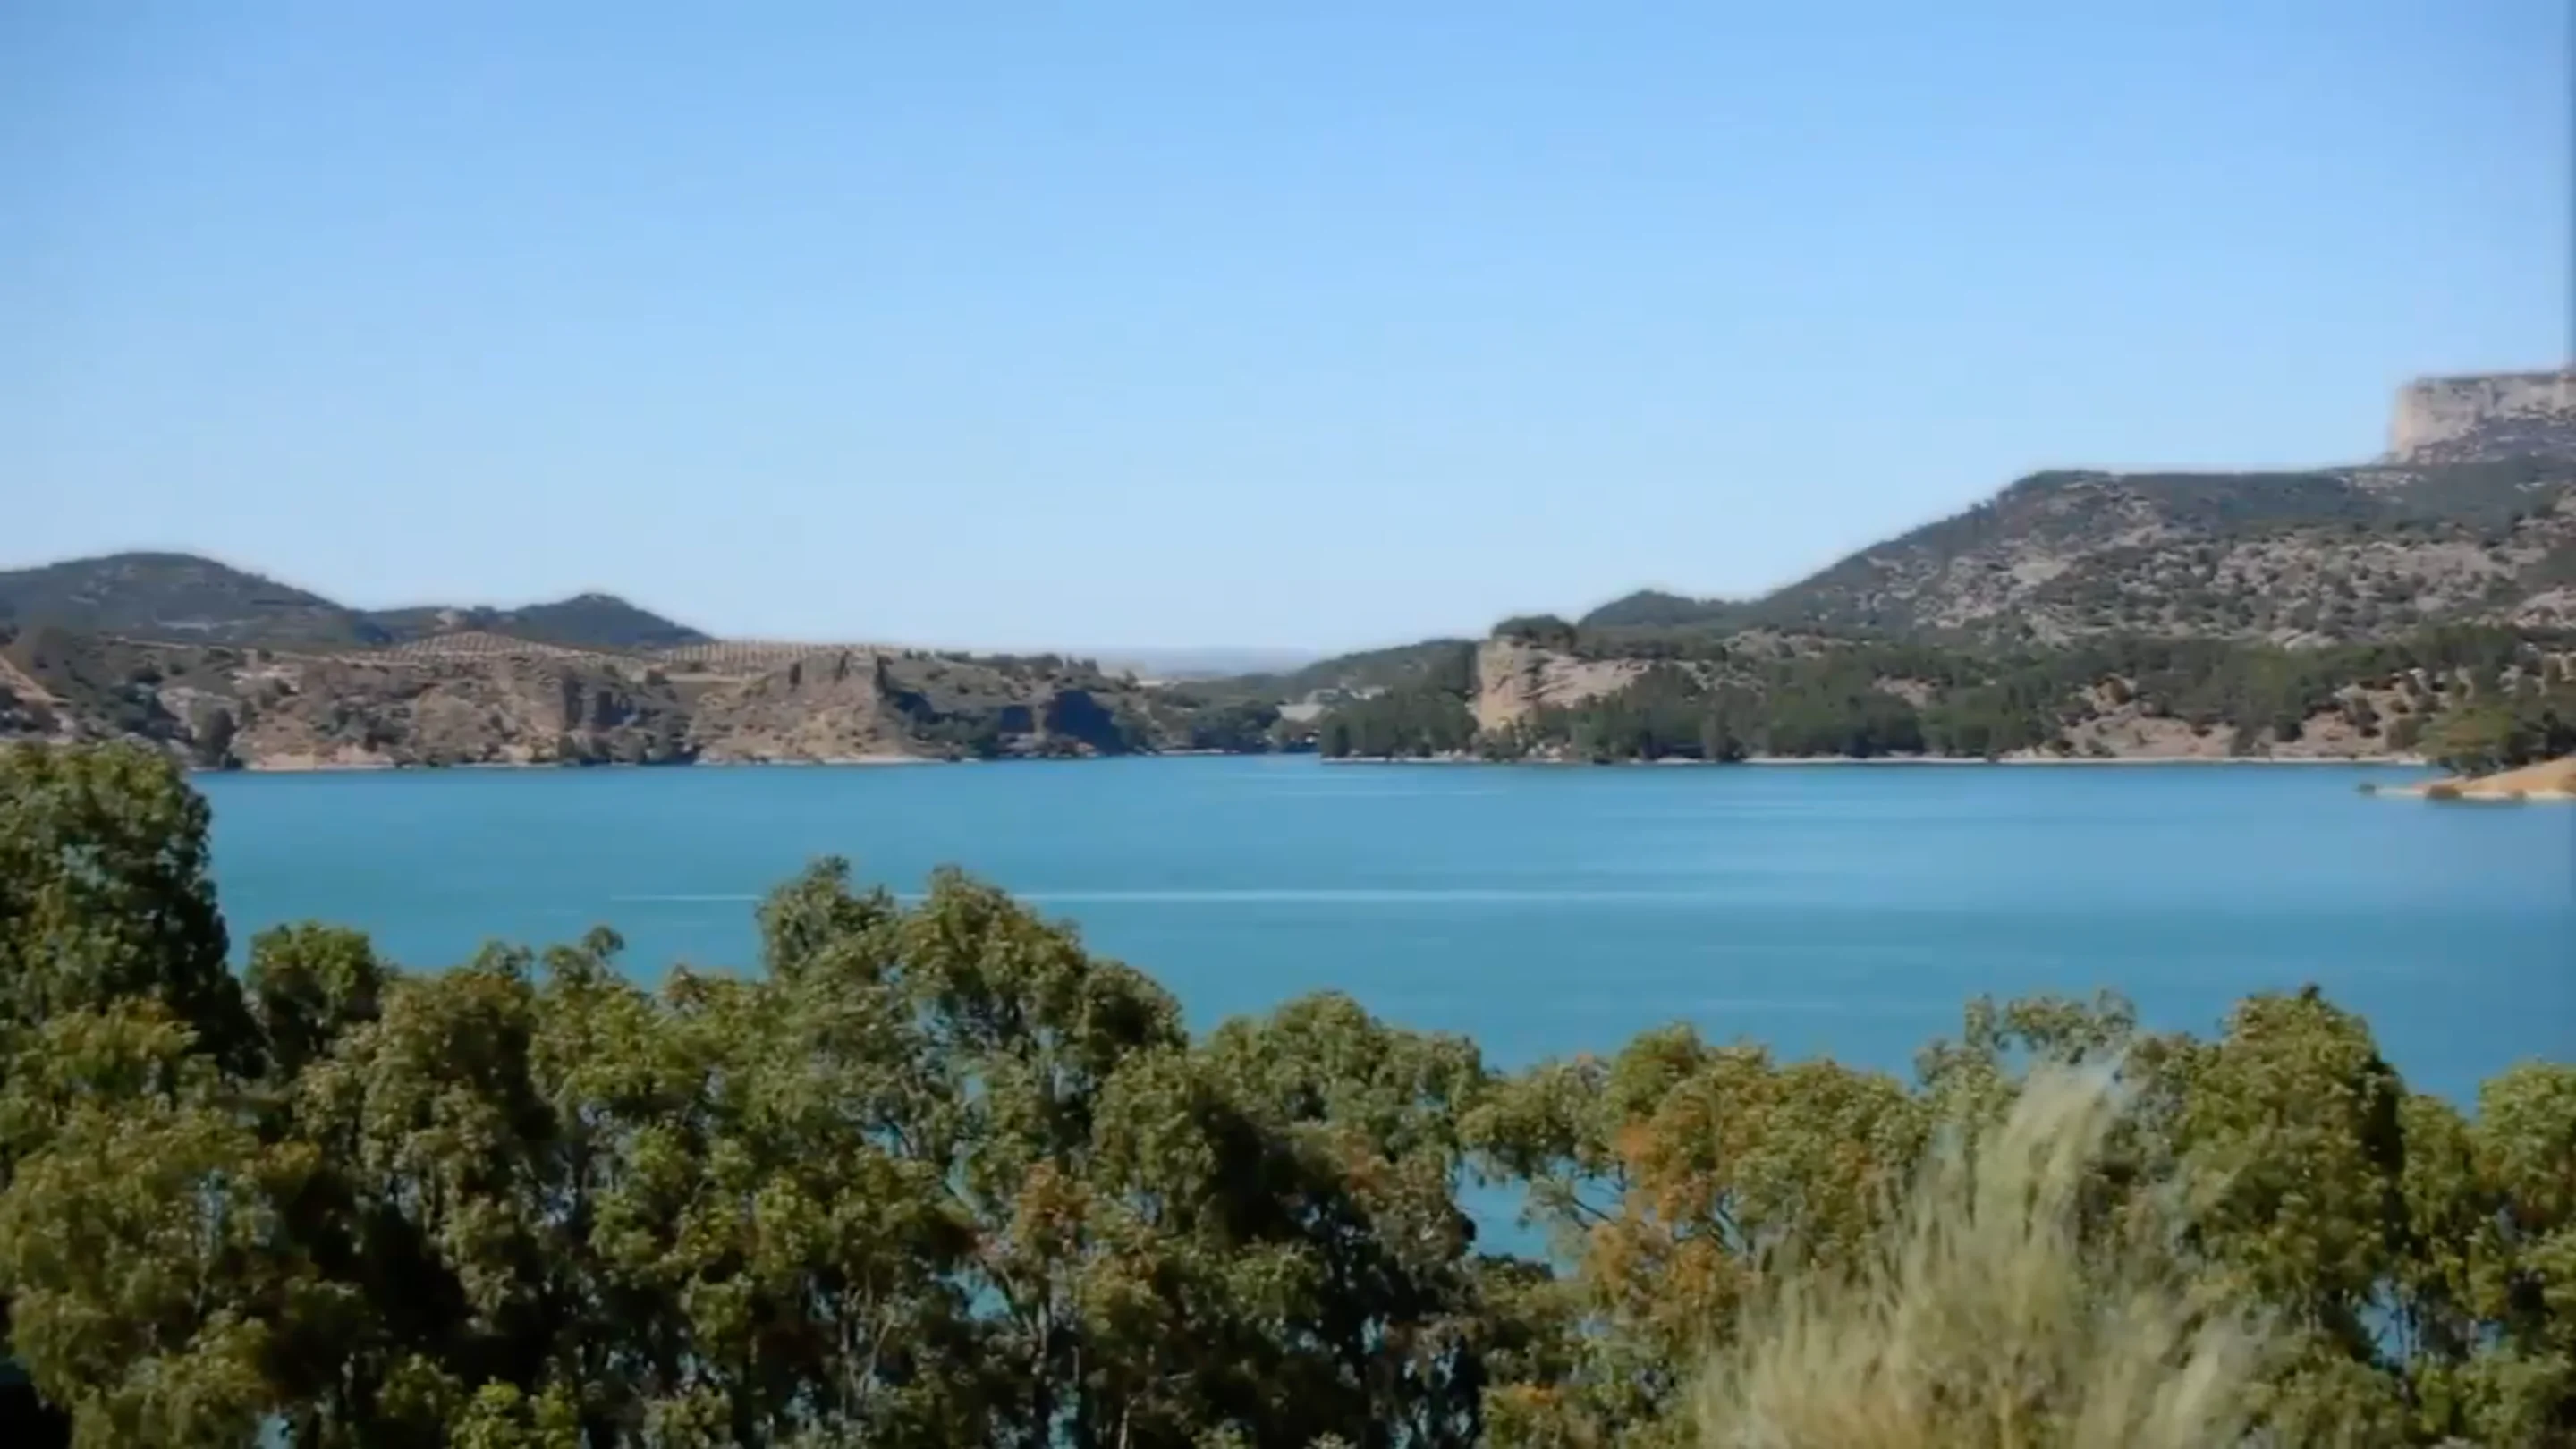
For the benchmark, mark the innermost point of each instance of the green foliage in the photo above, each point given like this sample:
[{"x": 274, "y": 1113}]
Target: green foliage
[
  {"x": 2500, "y": 733},
  {"x": 1839, "y": 711},
  {"x": 1859, "y": 699},
  {"x": 936, "y": 1174},
  {"x": 1447, "y": 665},
  {"x": 139, "y": 1241},
  {"x": 1547, "y": 631},
  {"x": 1829, "y": 704},
  {"x": 1664, "y": 713},
  {"x": 1652, "y": 609},
  {"x": 584, "y": 621},
  {"x": 130, "y": 594},
  {"x": 104, "y": 897},
  {"x": 1410, "y": 723},
  {"x": 1230, "y": 726}
]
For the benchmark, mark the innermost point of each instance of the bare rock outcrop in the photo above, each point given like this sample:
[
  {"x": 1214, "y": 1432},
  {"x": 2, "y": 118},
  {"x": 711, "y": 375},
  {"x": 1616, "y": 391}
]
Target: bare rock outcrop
[
  {"x": 820, "y": 707},
  {"x": 2485, "y": 416},
  {"x": 285, "y": 712},
  {"x": 485, "y": 699},
  {"x": 1515, "y": 677}
]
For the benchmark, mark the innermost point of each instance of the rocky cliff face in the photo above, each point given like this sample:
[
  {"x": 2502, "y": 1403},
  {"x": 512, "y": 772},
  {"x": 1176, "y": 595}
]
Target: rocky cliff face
[
  {"x": 829, "y": 706},
  {"x": 487, "y": 700},
  {"x": 1515, "y": 677},
  {"x": 288, "y": 713},
  {"x": 2485, "y": 417},
  {"x": 221, "y": 706}
]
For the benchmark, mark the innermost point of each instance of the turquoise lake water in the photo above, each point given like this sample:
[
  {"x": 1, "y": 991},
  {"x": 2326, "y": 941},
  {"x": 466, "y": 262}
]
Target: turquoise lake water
[{"x": 1833, "y": 909}]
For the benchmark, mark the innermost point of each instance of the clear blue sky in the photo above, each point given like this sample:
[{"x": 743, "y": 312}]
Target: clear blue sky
[{"x": 1151, "y": 324}]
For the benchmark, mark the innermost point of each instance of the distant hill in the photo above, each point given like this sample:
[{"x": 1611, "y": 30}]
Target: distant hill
[
  {"x": 2471, "y": 518},
  {"x": 182, "y": 598},
  {"x": 2376, "y": 608},
  {"x": 2335, "y": 554},
  {"x": 178, "y": 597},
  {"x": 1213, "y": 662},
  {"x": 2329, "y": 611},
  {"x": 1448, "y": 662},
  {"x": 584, "y": 621},
  {"x": 1656, "y": 609},
  {"x": 159, "y": 648}
]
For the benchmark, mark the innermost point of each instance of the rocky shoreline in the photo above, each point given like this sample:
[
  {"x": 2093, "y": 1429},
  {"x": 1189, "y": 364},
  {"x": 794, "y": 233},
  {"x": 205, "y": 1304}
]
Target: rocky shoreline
[
  {"x": 2408, "y": 762},
  {"x": 483, "y": 701},
  {"x": 2549, "y": 780},
  {"x": 294, "y": 766}
]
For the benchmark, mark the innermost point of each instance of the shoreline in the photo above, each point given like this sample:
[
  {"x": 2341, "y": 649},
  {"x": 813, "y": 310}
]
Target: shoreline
[
  {"x": 294, "y": 766},
  {"x": 305, "y": 765},
  {"x": 312, "y": 766},
  {"x": 2384, "y": 762},
  {"x": 2545, "y": 780}
]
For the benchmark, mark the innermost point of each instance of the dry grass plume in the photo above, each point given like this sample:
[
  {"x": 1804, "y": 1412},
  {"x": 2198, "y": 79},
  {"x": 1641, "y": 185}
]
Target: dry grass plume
[{"x": 1988, "y": 1319}]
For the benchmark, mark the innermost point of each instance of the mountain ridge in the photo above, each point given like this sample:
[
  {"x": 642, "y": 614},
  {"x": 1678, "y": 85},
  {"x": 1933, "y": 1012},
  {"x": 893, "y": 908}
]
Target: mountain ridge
[
  {"x": 2068, "y": 552},
  {"x": 173, "y": 597},
  {"x": 2421, "y": 603},
  {"x": 1979, "y": 624}
]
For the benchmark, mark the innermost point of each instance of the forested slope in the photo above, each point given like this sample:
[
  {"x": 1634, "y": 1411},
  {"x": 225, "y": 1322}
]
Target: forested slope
[{"x": 2473, "y": 697}]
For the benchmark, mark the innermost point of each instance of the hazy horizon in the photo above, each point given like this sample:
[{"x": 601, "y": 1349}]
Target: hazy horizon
[{"x": 1234, "y": 332}]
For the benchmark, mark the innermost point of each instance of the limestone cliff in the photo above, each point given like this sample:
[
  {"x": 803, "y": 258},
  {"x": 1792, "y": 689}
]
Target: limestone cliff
[
  {"x": 1515, "y": 677},
  {"x": 2485, "y": 416},
  {"x": 486, "y": 699},
  {"x": 503, "y": 710},
  {"x": 822, "y": 707}
]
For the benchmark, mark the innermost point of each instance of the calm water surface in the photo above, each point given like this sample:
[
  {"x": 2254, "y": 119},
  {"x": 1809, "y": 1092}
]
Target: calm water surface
[{"x": 1821, "y": 909}]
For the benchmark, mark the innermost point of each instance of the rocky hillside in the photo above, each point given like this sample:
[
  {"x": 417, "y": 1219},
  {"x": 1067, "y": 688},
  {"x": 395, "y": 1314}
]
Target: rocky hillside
[
  {"x": 2459, "y": 691},
  {"x": 2085, "y": 612},
  {"x": 2340, "y": 611},
  {"x": 2363, "y": 552},
  {"x": 2471, "y": 520},
  {"x": 488, "y": 699}
]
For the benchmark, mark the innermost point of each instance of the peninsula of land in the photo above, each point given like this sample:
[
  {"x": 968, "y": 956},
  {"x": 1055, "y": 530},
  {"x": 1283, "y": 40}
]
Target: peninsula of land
[{"x": 2547, "y": 780}]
